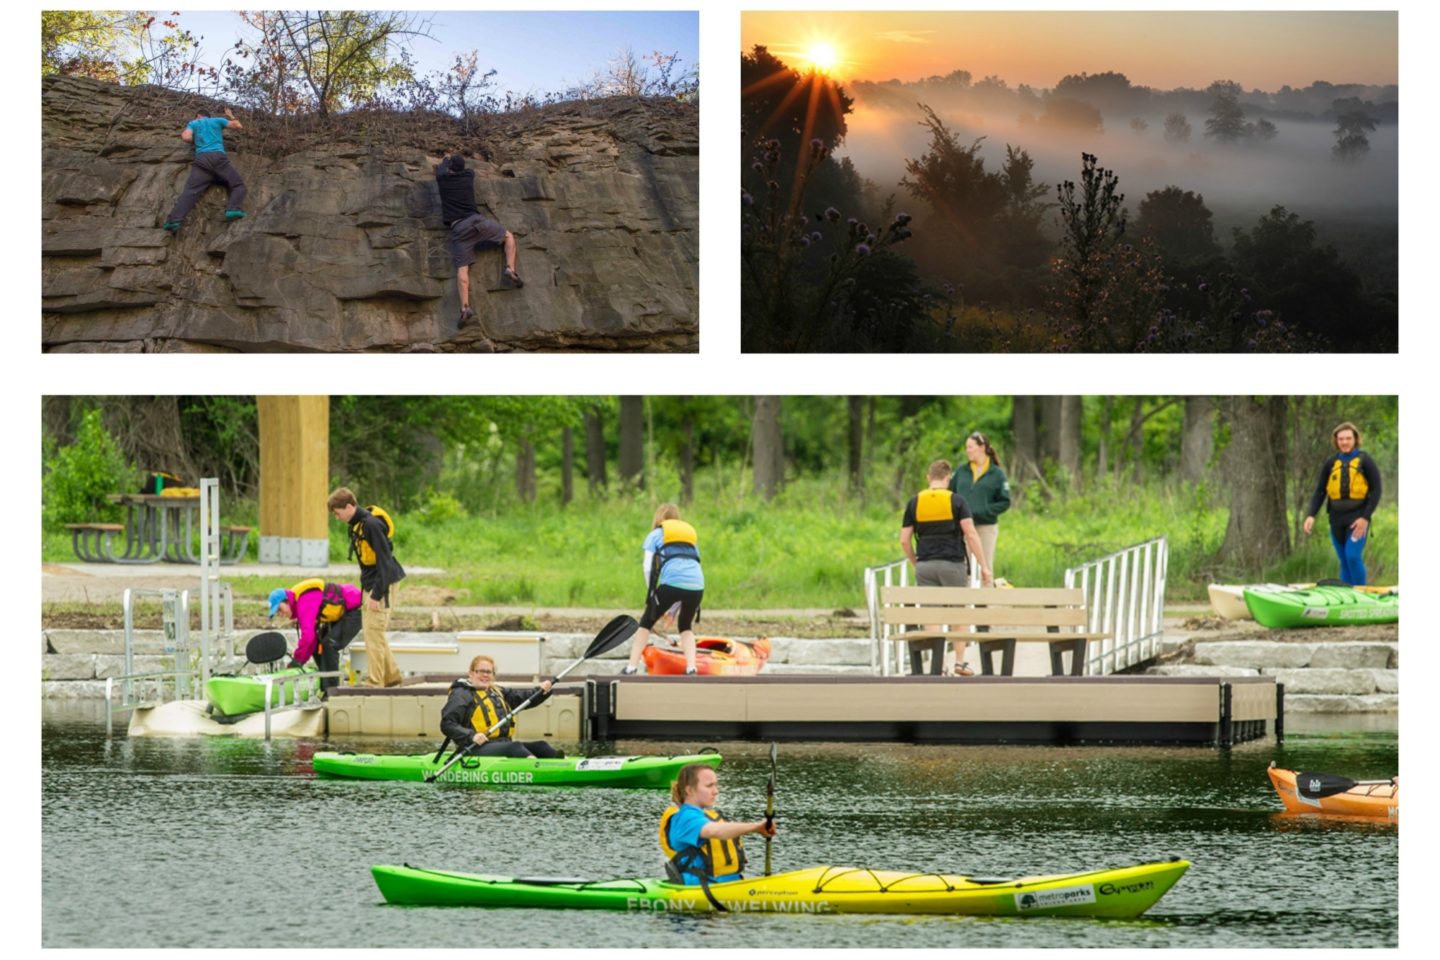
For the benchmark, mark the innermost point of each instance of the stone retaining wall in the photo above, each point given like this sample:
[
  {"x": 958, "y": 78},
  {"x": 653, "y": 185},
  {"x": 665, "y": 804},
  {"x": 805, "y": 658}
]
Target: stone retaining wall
[{"x": 1319, "y": 677}]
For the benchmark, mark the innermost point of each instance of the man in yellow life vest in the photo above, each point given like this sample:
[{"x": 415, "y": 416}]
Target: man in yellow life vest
[
  {"x": 935, "y": 531},
  {"x": 699, "y": 844},
  {"x": 1349, "y": 487},
  {"x": 477, "y": 703},
  {"x": 380, "y": 572}
]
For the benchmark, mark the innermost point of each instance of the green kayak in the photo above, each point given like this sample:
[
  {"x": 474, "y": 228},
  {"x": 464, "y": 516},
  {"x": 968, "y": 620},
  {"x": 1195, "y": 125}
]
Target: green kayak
[
  {"x": 237, "y": 695},
  {"x": 1122, "y": 892},
  {"x": 1321, "y": 606},
  {"x": 505, "y": 772}
]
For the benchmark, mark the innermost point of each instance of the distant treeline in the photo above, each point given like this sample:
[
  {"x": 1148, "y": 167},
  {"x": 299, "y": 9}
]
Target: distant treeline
[{"x": 958, "y": 257}]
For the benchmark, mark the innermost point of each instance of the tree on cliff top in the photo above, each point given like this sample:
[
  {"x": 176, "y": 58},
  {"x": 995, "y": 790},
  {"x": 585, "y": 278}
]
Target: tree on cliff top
[{"x": 345, "y": 56}]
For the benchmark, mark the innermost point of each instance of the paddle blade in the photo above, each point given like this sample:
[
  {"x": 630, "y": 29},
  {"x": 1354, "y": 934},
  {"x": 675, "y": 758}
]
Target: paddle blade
[
  {"x": 1313, "y": 786},
  {"x": 613, "y": 634},
  {"x": 265, "y": 647}
]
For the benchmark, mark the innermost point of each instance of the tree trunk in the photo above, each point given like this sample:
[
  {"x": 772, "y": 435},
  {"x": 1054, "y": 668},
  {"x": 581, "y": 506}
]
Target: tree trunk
[
  {"x": 595, "y": 453},
  {"x": 525, "y": 470},
  {"x": 857, "y": 445},
  {"x": 687, "y": 458},
  {"x": 769, "y": 447},
  {"x": 1102, "y": 456},
  {"x": 1197, "y": 438},
  {"x": 567, "y": 465},
  {"x": 1254, "y": 465},
  {"x": 1137, "y": 442},
  {"x": 1070, "y": 415},
  {"x": 1026, "y": 457},
  {"x": 1050, "y": 429},
  {"x": 632, "y": 441}
]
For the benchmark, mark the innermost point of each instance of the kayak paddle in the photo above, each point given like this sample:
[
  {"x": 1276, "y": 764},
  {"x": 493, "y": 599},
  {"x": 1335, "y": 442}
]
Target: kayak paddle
[
  {"x": 770, "y": 807},
  {"x": 613, "y": 634},
  {"x": 1313, "y": 786}
]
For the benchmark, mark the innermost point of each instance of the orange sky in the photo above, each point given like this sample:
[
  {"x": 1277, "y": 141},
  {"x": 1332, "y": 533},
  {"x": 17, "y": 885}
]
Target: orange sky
[{"x": 1156, "y": 49}]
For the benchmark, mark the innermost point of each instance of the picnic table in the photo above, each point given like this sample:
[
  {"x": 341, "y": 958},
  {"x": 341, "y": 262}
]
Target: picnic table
[{"x": 156, "y": 528}]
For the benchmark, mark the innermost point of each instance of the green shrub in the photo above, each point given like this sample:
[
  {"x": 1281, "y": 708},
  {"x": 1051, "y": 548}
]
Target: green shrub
[{"x": 77, "y": 477}]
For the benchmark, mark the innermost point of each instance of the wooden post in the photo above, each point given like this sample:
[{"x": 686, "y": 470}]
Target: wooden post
[{"x": 294, "y": 480}]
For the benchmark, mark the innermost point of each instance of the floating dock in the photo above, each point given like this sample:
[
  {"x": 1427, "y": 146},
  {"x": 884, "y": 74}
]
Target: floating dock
[{"x": 1217, "y": 710}]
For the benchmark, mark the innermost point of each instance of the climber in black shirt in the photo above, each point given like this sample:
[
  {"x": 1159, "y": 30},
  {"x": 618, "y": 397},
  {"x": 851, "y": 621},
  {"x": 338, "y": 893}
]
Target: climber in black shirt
[{"x": 470, "y": 230}]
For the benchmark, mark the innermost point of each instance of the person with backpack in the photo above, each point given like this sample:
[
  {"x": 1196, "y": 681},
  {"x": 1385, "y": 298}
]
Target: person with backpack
[
  {"x": 672, "y": 570},
  {"x": 372, "y": 535},
  {"x": 327, "y": 616}
]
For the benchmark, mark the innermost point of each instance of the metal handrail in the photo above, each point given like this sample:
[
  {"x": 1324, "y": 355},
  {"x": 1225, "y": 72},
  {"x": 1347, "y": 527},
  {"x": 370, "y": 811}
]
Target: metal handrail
[{"x": 1124, "y": 596}]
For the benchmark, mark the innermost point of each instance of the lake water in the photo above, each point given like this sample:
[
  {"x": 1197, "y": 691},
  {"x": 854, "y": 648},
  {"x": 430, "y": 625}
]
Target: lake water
[{"x": 211, "y": 842}]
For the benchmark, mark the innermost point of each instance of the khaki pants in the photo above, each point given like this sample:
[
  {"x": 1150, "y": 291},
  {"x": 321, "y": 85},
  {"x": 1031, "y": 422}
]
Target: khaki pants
[
  {"x": 382, "y": 671},
  {"x": 989, "y": 533}
]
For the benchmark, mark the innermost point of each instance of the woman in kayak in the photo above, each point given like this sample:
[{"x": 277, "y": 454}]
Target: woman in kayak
[
  {"x": 476, "y": 704},
  {"x": 672, "y": 571},
  {"x": 1350, "y": 489},
  {"x": 700, "y": 845}
]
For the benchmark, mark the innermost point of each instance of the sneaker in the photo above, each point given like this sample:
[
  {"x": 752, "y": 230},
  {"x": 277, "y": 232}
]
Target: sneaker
[
  {"x": 629, "y": 670},
  {"x": 466, "y": 315},
  {"x": 171, "y": 225},
  {"x": 689, "y": 671},
  {"x": 234, "y": 214}
]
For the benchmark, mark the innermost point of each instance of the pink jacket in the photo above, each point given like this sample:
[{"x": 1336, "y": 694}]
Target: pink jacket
[{"x": 307, "y": 608}]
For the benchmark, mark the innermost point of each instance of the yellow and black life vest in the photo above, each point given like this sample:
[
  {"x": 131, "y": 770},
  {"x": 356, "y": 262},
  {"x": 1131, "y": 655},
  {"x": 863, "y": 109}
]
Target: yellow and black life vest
[
  {"x": 360, "y": 548},
  {"x": 678, "y": 539},
  {"x": 489, "y": 708},
  {"x": 718, "y": 857},
  {"x": 332, "y": 602},
  {"x": 1347, "y": 481},
  {"x": 935, "y": 514}
]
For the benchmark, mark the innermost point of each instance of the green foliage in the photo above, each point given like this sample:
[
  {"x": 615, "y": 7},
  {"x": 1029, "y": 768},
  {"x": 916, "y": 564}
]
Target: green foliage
[
  {"x": 89, "y": 43},
  {"x": 78, "y": 476},
  {"x": 1179, "y": 223},
  {"x": 345, "y": 56}
]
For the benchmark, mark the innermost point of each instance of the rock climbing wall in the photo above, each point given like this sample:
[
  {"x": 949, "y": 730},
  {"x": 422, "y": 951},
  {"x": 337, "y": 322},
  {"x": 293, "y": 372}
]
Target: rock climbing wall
[{"x": 343, "y": 248}]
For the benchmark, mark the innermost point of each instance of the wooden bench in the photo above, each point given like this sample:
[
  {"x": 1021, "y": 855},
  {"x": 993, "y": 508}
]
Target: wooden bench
[
  {"x": 1002, "y": 617},
  {"x": 94, "y": 542}
]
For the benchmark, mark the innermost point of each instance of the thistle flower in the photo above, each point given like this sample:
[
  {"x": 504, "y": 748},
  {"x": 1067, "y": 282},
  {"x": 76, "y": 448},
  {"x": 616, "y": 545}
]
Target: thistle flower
[
  {"x": 815, "y": 237},
  {"x": 832, "y": 214},
  {"x": 745, "y": 198},
  {"x": 862, "y": 250},
  {"x": 815, "y": 144},
  {"x": 758, "y": 167}
]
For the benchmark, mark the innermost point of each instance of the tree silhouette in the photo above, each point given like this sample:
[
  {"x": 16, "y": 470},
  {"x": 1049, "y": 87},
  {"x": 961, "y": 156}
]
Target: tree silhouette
[
  {"x": 1179, "y": 223},
  {"x": 1351, "y": 127},
  {"x": 1227, "y": 118},
  {"x": 779, "y": 102},
  {"x": 1177, "y": 128}
]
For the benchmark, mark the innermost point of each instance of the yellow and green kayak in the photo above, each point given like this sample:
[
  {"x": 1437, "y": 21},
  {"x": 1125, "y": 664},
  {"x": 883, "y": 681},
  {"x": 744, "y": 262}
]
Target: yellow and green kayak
[
  {"x": 507, "y": 772},
  {"x": 1121, "y": 892}
]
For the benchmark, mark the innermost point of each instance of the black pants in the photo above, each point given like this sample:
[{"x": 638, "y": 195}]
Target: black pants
[
  {"x": 665, "y": 597},
  {"x": 332, "y": 638},
  {"x": 208, "y": 169},
  {"x": 517, "y": 748}
]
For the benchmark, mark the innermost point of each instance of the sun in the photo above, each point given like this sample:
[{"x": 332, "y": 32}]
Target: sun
[{"x": 823, "y": 56}]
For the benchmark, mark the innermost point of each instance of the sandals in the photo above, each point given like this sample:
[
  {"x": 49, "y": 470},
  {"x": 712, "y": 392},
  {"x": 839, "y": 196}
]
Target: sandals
[
  {"x": 962, "y": 670},
  {"x": 514, "y": 278}
]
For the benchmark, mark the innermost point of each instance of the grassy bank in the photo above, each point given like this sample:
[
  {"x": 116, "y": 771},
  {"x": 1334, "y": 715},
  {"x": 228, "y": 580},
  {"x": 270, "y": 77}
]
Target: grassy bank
[{"x": 807, "y": 548}]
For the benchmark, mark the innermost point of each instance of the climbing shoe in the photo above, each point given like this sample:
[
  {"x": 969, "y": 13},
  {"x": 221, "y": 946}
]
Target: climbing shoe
[
  {"x": 171, "y": 225},
  {"x": 514, "y": 278},
  {"x": 234, "y": 214},
  {"x": 466, "y": 315}
]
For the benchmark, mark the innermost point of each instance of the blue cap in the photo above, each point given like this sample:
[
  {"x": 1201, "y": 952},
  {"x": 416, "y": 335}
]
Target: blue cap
[{"x": 277, "y": 596}]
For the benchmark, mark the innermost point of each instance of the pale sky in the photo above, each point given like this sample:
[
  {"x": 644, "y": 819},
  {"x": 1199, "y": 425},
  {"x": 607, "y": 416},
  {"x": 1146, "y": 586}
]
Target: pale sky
[{"x": 1164, "y": 50}]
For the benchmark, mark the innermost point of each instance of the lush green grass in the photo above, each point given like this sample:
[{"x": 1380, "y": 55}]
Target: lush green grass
[{"x": 805, "y": 549}]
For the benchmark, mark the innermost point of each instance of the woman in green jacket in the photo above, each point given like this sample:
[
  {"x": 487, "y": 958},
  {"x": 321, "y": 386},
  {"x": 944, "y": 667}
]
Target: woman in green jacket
[{"x": 985, "y": 489}]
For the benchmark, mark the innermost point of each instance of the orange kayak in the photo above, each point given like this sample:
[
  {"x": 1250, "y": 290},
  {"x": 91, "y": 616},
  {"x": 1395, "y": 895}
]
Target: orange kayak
[
  {"x": 1326, "y": 793},
  {"x": 714, "y": 657}
]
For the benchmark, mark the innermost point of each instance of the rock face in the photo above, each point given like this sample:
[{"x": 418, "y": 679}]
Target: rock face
[{"x": 343, "y": 248}]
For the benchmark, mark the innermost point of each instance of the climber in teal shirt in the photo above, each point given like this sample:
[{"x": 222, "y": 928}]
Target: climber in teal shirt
[{"x": 211, "y": 166}]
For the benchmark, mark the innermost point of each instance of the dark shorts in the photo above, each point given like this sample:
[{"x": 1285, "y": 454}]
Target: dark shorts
[
  {"x": 665, "y": 597},
  {"x": 475, "y": 232}
]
